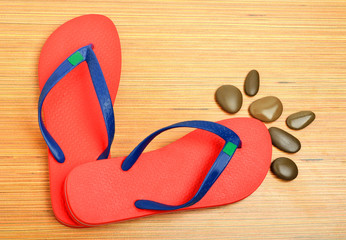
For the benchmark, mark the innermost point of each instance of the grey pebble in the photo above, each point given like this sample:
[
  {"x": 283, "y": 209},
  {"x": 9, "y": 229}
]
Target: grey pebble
[
  {"x": 300, "y": 120},
  {"x": 284, "y": 168},
  {"x": 284, "y": 141},
  {"x": 266, "y": 109},
  {"x": 229, "y": 98},
  {"x": 252, "y": 83}
]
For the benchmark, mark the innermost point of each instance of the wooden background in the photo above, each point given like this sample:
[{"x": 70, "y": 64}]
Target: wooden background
[{"x": 175, "y": 55}]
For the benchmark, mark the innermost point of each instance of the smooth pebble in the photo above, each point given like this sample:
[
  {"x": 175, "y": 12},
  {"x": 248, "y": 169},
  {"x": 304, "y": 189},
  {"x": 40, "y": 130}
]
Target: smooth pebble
[
  {"x": 284, "y": 168},
  {"x": 284, "y": 141},
  {"x": 300, "y": 120},
  {"x": 252, "y": 82},
  {"x": 229, "y": 98},
  {"x": 266, "y": 109}
]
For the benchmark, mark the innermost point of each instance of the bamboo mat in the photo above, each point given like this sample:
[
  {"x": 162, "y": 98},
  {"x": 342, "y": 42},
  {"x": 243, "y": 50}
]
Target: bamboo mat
[{"x": 175, "y": 55}]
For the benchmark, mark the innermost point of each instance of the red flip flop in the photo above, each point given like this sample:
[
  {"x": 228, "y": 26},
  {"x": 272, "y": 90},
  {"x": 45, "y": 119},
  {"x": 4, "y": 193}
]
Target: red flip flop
[
  {"x": 181, "y": 175},
  {"x": 79, "y": 67}
]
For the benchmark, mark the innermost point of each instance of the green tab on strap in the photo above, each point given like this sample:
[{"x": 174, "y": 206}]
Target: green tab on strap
[
  {"x": 229, "y": 148},
  {"x": 75, "y": 58}
]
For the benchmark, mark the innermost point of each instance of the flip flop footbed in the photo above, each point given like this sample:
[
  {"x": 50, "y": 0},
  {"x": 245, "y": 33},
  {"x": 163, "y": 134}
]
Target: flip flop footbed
[
  {"x": 100, "y": 192},
  {"x": 71, "y": 110}
]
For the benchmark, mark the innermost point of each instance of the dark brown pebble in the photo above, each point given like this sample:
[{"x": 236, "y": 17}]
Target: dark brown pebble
[
  {"x": 300, "y": 120},
  {"x": 284, "y": 141},
  {"x": 229, "y": 98},
  {"x": 284, "y": 168},
  {"x": 266, "y": 109},
  {"x": 252, "y": 82}
]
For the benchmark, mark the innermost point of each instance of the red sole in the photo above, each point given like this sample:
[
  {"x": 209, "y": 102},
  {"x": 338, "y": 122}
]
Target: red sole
[
  {"x": 100, "y": 192},
  {"x": 71, "y": 110}
]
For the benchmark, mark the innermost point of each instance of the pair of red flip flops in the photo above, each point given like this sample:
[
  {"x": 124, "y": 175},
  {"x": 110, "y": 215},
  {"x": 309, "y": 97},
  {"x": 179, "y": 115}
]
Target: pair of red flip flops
[{"x": 79, "y": 72}]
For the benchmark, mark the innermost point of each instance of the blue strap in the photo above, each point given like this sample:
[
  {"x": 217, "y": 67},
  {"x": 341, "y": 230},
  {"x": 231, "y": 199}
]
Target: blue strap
[
  {"x": 232, "y": 142},
  {"x": 83, "y": 54}
]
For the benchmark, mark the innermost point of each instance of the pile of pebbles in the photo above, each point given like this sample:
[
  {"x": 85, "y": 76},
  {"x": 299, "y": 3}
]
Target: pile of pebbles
[{"x": 268, "y": 109}]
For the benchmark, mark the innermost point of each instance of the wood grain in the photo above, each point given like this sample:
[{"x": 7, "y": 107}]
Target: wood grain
[{"x": 175, "y": 55}]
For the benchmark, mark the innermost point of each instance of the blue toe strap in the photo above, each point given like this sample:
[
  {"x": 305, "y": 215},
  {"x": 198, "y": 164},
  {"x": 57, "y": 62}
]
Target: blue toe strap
[
  {"x": 83, "y": 54},
  {"x": 232, "y": 142}
]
